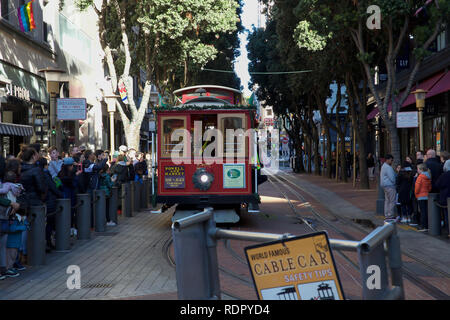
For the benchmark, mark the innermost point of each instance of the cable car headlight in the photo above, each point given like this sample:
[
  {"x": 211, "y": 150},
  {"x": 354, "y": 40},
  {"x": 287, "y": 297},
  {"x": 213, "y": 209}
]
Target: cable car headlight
[{"x": 202, "y": 179}]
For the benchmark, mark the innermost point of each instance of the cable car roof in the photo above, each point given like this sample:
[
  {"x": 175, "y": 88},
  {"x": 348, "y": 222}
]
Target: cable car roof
[
  {"x": 205, "y": 100},
  {"x": 205, "y": 86}
]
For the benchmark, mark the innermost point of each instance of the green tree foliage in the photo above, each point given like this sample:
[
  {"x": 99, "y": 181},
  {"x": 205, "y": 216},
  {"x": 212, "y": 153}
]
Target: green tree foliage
[
  {"x": 227, "y": 45},
  {"x": 378, "y": 47},
  {"x": 158, "y": 37}
]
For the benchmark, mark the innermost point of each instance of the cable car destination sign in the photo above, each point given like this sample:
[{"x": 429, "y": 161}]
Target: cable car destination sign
[{"x": 298, "y": 268}]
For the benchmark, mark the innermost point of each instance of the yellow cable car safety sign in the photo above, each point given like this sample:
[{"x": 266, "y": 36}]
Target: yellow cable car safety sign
[{"x": 297, "y": 268}]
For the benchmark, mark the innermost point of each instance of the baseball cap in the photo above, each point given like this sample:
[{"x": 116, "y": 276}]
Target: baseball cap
[
  {"x": 68, "y": 161},
  {"x": 123, "y": 148}
]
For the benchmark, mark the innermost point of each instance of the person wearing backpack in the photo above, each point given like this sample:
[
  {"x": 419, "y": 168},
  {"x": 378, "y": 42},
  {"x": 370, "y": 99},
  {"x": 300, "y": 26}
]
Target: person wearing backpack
[{"x": 106, "y": 184}]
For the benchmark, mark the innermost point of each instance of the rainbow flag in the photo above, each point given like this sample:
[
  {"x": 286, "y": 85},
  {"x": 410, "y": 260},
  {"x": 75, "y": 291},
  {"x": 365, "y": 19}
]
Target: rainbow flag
[{"x": 26, "y": 17}]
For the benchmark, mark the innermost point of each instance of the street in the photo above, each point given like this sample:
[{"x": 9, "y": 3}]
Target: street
[{"x": 135, "y": 259}]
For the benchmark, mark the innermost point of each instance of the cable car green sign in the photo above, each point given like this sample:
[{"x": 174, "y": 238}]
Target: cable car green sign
[{"x": 234, "y": 176}]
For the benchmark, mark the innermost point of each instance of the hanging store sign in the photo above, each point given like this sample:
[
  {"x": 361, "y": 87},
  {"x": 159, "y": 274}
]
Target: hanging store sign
[
  {"x": 407, "y": 119},
  {"x": 174, "y": 177},
  {"x": 234, "y": 176},
  {"x": 71, "y": 109},
  {"x": 298, "y": 268},
  {"x": 18, "y": 92}
]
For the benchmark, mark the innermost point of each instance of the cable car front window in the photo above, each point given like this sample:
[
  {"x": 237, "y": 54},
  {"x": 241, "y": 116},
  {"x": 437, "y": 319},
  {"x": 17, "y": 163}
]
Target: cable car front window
[
  {"x": 170, "y": 126},
  {"x": 233, "y": 130}
]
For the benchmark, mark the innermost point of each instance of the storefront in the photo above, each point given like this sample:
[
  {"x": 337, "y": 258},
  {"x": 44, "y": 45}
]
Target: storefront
[
  {"x": 436, "y": 118},
  {"x": 23, "y": 110}
]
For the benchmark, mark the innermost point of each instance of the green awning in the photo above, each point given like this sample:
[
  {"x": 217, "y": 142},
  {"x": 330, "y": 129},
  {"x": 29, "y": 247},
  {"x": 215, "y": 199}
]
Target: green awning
[{"x": 36, "y": 85}]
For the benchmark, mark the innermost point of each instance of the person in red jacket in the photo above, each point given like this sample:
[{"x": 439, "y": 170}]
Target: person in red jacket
[{"x": 421, "y": 190}]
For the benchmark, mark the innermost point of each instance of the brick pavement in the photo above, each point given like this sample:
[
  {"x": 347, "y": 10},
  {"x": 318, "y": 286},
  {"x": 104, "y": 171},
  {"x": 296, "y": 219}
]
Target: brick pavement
[{"x": 125, "y": 261}]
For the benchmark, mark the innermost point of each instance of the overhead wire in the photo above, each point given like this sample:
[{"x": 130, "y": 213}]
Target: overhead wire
[{"x": 260, "y": 73}]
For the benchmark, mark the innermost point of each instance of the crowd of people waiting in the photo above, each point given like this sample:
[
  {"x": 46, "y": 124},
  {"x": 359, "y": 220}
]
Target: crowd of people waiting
[
  {"x": 407, "y": 188},
  {"x": 37, "y": 177}
]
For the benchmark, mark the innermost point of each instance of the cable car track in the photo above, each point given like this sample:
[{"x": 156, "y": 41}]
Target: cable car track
[
  {"x": 276, "y": 181},
  {"x": 408, "y": 274},
  {"x": 357, "y": 226}
]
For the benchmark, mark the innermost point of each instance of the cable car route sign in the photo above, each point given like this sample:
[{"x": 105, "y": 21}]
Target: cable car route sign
[{"x": 298, "y": 268}]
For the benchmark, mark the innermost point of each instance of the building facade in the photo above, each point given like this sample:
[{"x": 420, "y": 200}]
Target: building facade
[
  {"x": 434, "y": 77},
  {"x": 25, "y": 101}
]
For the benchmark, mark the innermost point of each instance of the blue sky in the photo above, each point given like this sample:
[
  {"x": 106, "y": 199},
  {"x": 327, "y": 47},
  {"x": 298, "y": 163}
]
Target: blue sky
[{"x": 249, "y": 17}]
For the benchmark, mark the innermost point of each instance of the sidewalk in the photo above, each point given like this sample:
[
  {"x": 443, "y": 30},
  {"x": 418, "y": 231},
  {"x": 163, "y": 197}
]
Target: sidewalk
[
  {"x": 126, "y": 261},
  {"x": 345, "y": 201}
]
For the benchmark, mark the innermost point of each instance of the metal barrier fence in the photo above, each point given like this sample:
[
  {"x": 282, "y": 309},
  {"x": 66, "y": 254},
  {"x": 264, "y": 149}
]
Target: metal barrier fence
[
  {"x": 197, "y": 269},
  {"x": 85, "y": 207}
]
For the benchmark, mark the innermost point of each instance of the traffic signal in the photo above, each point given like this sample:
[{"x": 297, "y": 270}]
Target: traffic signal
[{"x": 53, "y": 131}]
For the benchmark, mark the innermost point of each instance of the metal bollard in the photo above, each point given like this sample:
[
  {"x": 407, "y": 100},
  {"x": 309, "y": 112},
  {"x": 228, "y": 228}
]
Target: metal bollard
[
  {"x": 137, "y": 196},
  {"x": 113, "y": 203},
  {"x": 374, "y": 257},
  {"x": 84, "y": 216},
  {"x": 126, "y": 200},
  {"x": 395, "y": 262},
  {"x": 36, "y": 236},
  {"x": 144, "y": 193},
  {"x": 99, "y": 210},
  {"x": 434, "y": 215},
  {"x": 380, "y": 201},
  {"x": 132, "y": 198},
  {"x": 63, "y": 216},
  {"x": 193, "y": 272}
]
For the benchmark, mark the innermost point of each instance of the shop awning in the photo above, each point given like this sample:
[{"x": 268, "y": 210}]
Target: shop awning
[
  {"x": 425, "y": 85},
  {"x": 442, "y": 85},
  {"x": 429, "y": 84},
  {"x": 10, "y": 129}
]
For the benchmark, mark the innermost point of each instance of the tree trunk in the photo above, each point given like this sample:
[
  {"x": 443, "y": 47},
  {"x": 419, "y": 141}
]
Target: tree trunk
[
  {"x": 395, "y": 142},
  {"x": 316, "y": 155},
  {"x": 329, "y": 153},
  {"x": 132, "y": 135},
  {"x": 343, "y": 158},
  {"x": 308, "y": 139}
]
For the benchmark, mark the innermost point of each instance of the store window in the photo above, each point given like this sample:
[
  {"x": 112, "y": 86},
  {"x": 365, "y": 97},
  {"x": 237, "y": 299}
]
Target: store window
[
  {"x": 441, "y": 41},
  {"x": 172, "y": 136},
  {"x": 435, "y": 137},
  {"x": 4, "y": 9}
]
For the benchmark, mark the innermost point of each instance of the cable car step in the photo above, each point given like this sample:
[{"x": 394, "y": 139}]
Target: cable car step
[
  {"x": 220, "y": 215},
  {"x": 253, "y": 208}
]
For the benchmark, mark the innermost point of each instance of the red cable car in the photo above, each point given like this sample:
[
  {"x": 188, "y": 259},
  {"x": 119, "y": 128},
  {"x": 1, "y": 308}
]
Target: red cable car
[{"x": 205, "y": 154}]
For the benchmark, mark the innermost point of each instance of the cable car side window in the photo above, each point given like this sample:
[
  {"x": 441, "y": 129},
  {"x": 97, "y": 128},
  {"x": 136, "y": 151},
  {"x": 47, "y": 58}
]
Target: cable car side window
[{"x": 173, "y": 137}]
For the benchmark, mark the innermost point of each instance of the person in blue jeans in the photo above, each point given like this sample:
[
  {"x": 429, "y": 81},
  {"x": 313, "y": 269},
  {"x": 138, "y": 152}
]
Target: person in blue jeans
[{"x": 14, "y": 242}]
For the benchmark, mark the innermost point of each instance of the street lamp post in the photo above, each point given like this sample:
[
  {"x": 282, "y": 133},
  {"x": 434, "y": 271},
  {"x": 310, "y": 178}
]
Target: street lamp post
[
  {"x": 420, "y": 104},
  {"x": 53, "y": 78},
  {"x": 111, "y": 102}
]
